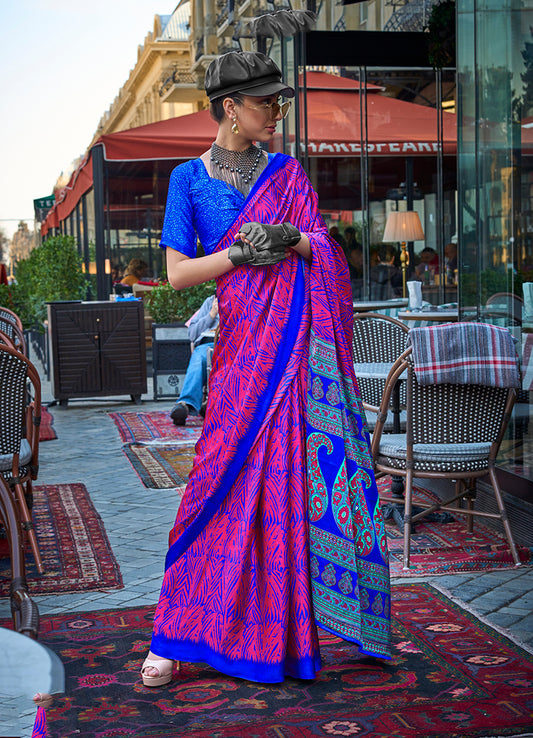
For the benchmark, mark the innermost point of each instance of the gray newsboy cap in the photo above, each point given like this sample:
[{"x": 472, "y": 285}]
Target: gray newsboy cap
[{"x": 249, "y": 72}]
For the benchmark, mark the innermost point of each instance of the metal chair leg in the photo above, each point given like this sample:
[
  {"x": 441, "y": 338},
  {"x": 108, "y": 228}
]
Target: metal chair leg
[
  {"x": 407, "y": 519},
  {"x": 503, "y": 514},
  {"x": 470, "y": 497},
  {"x": 27, "y": 526}
]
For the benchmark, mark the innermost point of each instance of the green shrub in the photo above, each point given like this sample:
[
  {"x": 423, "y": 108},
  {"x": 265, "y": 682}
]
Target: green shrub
[
  {"x": 167, "y": 305},
  {"x": 51, "y": 272}
]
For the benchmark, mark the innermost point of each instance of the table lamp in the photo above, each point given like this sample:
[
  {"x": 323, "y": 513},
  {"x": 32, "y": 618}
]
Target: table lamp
[{"x": 403, "y": 227}]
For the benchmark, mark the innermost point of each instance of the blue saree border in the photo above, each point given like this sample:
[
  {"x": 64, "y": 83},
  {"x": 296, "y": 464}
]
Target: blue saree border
[
  {"x": 255, "y": 671},
  {"x": 277, "y": 161}
]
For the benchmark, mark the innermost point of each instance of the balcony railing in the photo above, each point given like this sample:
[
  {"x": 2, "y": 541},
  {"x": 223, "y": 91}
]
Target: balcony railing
[
  {"x": 410, "y": 17},
  {"x": 226, "y": 14},
  {"x": 179, "y": 76}
]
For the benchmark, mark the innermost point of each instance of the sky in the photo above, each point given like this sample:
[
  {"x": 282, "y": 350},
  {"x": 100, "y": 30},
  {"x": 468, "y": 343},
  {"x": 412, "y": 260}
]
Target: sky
[{"x": 62, "y": 63}]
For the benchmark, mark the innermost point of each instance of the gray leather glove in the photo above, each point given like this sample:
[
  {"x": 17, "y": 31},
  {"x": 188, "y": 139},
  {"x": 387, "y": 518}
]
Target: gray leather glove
[
  {"x": 241, "y": 252},
  {"x": 268, "y": 243}
]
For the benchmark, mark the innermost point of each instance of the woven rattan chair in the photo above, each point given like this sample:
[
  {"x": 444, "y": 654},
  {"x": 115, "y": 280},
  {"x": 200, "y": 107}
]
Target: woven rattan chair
[
  {"x": 378, "y": 341},
  {"x": 23, "y": 609},
  {"x": 19, "y": 434},
  {"x": 9, "y": 315},
  {"x": 6, "y": 340},
  {"x": 13, "y": 332},
  {"x": 505, "y": 305},
  {"x": 453, "y": 432}
]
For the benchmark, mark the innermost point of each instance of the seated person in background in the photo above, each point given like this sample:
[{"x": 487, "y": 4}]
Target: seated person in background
[
  {"x": 336, "y": 236},
  {"x": 350, "y": 238},
  {"x": 116, "y": 272},
  {"x": 385, "y": 277},
  {"x": 429, "y": 265},
  {"x": 135, "y": 271},
  {"x": 354, "y": 254},
  {"x": 450, "y": 262},
  {"x": 190, "y": 399},
  {"x": 374, "y": 255}
]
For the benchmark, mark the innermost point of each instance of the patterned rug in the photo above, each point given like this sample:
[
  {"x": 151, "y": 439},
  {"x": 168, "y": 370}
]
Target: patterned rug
[
  {"x": 137, "y": 427},
  {"x": 436, "y": 548},
  {"x": 161, "y": 466},
  {"x": 46, "y": 432},
  {"x": 76, "y": 554},
  {"x": 450, "y": 675}
]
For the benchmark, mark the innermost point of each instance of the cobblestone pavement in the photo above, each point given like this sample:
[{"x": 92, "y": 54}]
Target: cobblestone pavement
[{"x": 137, "y": 521}]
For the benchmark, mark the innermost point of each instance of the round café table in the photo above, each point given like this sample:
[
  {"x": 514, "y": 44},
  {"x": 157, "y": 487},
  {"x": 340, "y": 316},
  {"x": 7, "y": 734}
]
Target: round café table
[
  {"x": 370, "y": 306},
  {"x": 430, "y": 316}
]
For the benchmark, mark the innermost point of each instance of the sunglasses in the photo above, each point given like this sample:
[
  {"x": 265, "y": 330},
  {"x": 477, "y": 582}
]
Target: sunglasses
[{"x": 272, "y": 107}]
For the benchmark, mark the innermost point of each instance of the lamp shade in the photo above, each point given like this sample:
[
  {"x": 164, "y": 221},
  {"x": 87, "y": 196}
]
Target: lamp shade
[{"x": 403, "y": 226}]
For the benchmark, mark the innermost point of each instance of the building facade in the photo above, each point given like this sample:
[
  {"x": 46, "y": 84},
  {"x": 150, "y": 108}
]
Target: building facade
[
  {"x": 495, "y": 193},
  {"x": 163, "y": 61}
]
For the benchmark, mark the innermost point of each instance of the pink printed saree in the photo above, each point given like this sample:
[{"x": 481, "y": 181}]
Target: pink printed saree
[{"x": 280, "y": 527}]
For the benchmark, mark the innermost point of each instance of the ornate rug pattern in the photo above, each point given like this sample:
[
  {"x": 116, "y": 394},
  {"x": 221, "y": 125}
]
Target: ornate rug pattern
[
  {"x": 46, "y": 431},
  {"x": 436, "y": 548},
  {"x": 76, "y": 553},
  {"x": 161, "y": 466},
  {"x": 137, "y": 427},
  {"x": 450, "y": 675}
]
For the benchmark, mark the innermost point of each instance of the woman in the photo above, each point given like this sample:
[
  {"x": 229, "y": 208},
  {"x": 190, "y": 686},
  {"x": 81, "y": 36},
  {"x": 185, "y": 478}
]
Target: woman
[
  {"x": 279, "y": 528},
  {"x": 135, "y": 271}
]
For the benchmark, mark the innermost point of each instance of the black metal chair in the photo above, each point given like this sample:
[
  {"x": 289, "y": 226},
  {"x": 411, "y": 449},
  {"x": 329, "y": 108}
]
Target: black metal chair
[
  {"x": 378, "y": 341},
  {"x": 19, "y": 434},
  {"x": 453, "y": 431}
]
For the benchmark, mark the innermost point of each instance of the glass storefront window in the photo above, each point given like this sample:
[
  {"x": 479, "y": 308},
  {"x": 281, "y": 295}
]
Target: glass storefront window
[
  {"x": 135, "y": 207},
  {"x": 495, "y": 163},
  {"x": 371, "y": 143}
]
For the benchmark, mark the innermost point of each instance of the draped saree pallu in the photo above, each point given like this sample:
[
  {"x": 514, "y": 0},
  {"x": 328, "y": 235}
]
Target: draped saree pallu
[{"x": 279, "y": 528}]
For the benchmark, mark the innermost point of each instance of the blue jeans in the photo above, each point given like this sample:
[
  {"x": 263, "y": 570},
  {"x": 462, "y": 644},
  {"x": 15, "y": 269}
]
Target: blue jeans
[{"x": 195, "y": 377}]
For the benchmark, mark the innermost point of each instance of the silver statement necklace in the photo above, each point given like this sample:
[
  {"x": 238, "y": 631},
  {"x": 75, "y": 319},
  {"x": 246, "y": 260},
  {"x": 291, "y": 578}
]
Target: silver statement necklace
[{"x": 236, "y": 165}]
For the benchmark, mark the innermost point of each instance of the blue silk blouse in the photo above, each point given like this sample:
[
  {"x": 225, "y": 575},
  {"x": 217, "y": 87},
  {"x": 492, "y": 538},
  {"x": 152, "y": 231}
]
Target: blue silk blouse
[{"x": 198, "y": 208}]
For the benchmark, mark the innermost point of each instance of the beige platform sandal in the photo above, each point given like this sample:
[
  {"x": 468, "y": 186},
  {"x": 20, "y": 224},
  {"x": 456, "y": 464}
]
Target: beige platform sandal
[
  {"x": 165, "y": 669},
  {"x": 43, "y": 699}
]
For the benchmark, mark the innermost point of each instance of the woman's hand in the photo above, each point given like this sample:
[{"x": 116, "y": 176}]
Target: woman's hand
[
  {"x": 185, "y": 272},
  {"x": 262, "y": 243}
]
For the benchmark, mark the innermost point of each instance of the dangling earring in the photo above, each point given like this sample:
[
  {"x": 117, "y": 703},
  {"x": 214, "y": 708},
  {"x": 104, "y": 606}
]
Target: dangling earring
[{"x": 235, "y": 127}]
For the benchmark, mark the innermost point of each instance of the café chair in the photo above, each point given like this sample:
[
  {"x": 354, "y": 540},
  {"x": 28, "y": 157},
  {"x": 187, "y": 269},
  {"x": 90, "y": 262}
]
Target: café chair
[
  {"x": 453, "y": 431},
  {"x": 14, "y": 333},
  {"x": 378, "y": 341},
  {"x": 24, "y": 611},
  {"x": 6, "y": 340},
  {"x": 19, "y": 435},
  {"x": 9, "y": 315},
  {"x": 506, "y": 306}
]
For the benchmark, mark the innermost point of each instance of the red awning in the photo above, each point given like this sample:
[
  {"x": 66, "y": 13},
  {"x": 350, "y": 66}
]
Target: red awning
[
  {"x": 79, "y": 183},
  {"x": 395, "y": 128},
  {"x": 178, "y": 138}
]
